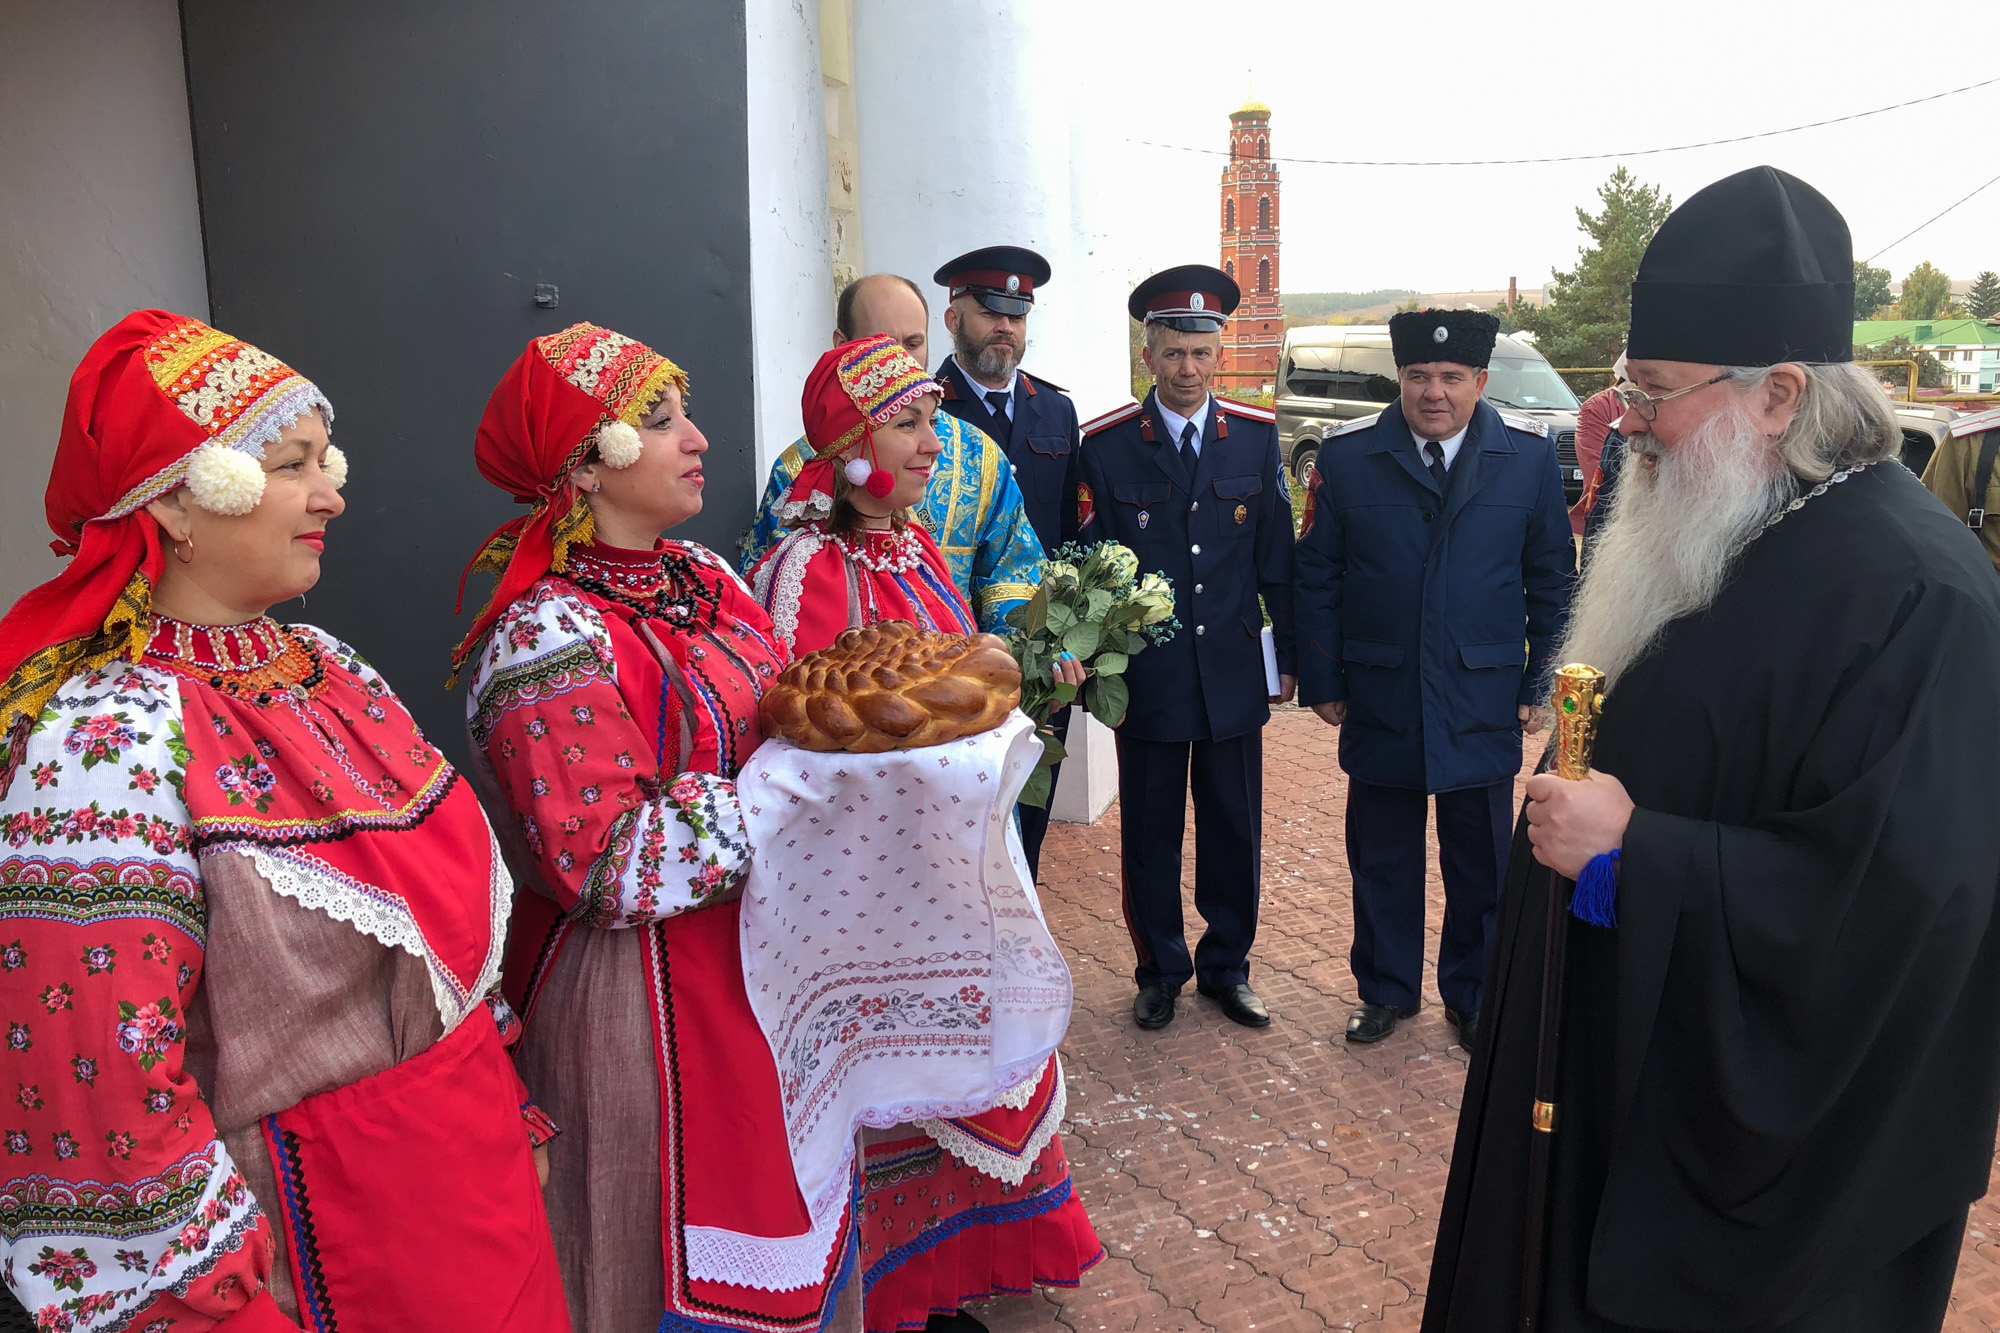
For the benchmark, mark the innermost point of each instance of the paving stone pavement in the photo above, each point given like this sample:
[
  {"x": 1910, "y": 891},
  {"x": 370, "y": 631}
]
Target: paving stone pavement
[{"x": 1279, "y": 1180}]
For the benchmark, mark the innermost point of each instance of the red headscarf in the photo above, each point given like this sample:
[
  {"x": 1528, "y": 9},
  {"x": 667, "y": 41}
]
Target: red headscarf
[
  {"x": 540, "y": 424},
  {"x": 153, "y": 390},
  {"x": 856, "y": 387}
]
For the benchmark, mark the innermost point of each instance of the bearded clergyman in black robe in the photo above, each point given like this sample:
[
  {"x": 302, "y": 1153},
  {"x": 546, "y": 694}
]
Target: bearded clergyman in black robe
[{"x": 1780, "y": 1065}]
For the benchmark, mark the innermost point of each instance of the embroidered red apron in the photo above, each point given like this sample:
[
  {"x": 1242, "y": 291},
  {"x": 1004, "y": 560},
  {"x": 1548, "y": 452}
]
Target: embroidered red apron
[{"x": 409, "y": 1199}]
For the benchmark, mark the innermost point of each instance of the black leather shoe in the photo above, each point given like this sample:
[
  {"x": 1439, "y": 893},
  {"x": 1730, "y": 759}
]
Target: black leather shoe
[
  {"x": 1467, "y": 1023},
  {"x": 958, "y": 1321},
  {"x": 1154, "y": 1007},
  {"x": 1239, "y": 1004},
  {"x": 1372, "y": 1022}
]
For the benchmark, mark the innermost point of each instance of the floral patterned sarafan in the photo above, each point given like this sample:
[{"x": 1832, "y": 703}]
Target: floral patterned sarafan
[
  {"x": 120, "y": 1206},
  {"x": 613, "y": 705},
  {"x": 620, "y": 782}
]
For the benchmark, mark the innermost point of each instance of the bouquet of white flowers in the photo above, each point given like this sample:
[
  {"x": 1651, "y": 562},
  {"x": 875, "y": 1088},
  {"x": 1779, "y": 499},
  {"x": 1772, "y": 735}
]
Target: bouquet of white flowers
[{"x": 1094, "y": 605}]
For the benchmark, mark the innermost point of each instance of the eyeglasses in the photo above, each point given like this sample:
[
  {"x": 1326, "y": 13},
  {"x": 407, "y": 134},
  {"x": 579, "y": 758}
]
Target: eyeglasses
[{"x": 1647, "y": 405}]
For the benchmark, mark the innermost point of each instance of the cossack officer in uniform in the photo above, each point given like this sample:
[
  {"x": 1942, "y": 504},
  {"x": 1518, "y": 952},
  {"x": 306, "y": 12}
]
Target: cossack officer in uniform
[
  {"x": 1434, "y": 571},
  {"x": 1193, "y": 484},
  {"x": 991, "y": 292}
]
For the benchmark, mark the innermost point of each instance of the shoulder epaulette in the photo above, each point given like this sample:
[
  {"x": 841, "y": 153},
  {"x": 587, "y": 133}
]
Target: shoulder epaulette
[
  {"x": 1043, "y": 380},
  {"x": 1358, "y": 423},
  {"x": 1240, "y": 409},
  {"x": 1532, "y": 425},
  {"x": 1977, "y": 422},
  {"x": 1111, "y": 418}
]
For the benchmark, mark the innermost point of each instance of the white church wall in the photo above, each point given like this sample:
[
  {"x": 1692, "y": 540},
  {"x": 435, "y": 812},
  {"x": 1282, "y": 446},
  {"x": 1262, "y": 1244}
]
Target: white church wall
[
  {"x": 791, "y": 271},
  {"x": 98, "y": 217}
]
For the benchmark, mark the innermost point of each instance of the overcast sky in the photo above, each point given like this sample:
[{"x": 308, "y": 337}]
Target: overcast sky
[{"x": 1462, "y": 80}]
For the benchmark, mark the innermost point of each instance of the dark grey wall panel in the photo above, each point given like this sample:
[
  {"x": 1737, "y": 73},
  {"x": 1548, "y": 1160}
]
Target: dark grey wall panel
[{"x": 382, "y": 187}]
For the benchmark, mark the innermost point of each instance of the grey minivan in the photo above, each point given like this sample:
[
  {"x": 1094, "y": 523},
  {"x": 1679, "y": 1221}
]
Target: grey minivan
[{"x": 1334, "y": 374}]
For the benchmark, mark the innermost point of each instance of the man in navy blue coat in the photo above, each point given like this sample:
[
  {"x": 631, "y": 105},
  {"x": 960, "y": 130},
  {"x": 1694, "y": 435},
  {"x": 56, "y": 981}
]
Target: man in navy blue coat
[
  {"x": 992, "y": 292},
  {"x": 1193, "y": 484},
  {"x": 1434, "y": 575}
]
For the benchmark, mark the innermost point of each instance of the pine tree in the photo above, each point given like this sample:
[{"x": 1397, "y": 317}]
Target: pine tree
[
  {"x": 1589, "y": 313},
  {"x": 1984, "y": 298}
]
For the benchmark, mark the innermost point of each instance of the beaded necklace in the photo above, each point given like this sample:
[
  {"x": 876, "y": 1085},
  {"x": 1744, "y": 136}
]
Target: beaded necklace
[
  {"x": 260, "y": 662},
  {"x": 664, "y": 586},
  {"x": 900, "y": 554},
  {"x": 1799, "y": 502}
]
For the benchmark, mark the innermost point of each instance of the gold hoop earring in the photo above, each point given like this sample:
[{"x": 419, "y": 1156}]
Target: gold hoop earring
[{"x": 187, "y": 559}]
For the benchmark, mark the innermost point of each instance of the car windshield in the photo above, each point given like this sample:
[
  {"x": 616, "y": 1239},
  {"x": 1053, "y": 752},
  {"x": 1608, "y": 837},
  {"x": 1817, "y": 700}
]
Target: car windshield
[{"x": 1532, "y": 384}]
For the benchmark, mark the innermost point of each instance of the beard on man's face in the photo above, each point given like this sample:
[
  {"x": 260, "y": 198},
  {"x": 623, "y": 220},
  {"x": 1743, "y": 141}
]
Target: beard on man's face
[
  {"x": 1679, "y": 518},
  {"x": 994, "y": 359}
]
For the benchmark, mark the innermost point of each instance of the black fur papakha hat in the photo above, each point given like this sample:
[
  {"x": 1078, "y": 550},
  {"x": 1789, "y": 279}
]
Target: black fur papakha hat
[
  {"x": 1461, "y": 336},
  {"x": 1755, "y": 269}
]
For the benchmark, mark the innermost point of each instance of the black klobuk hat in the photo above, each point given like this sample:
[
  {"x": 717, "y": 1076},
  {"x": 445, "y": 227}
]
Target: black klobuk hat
[{"x": 1755, "y": 269}]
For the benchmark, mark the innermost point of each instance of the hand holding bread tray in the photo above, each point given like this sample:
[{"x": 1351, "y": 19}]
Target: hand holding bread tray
[{"x": 893, "y": 948}]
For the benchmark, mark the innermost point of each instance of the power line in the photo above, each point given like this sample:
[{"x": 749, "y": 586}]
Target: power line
[
  {"x": 1920, "y": 226},
  {"x": 1591, "y": 157}
]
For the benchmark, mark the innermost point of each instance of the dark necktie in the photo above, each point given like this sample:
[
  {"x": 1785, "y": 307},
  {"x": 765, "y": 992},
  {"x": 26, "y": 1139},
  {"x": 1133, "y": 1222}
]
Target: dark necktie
[
  {"x": 996, "y": 403},
  {"x": 1187, "y": 446},
  {"x": 1436, "y": 451}
]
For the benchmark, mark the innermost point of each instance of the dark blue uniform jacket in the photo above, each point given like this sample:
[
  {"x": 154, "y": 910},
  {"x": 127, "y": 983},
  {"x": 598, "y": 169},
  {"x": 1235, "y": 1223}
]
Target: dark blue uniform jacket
[
  {"x": 1040, "y": 438},
  {"x": 1223, "y": 535},
  {"x": 1433, "y": 615}
]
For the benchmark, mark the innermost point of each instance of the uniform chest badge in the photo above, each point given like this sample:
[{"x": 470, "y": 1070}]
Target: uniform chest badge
[
  {"x": 1242, "y": 512},
  {"x": 1143, "y": 517}
]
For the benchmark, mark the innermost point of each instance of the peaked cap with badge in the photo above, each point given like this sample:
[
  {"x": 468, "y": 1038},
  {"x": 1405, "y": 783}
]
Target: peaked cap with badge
[
  {"x": 1192, "y": 298},
  {"x": 1002, "y": 278}
]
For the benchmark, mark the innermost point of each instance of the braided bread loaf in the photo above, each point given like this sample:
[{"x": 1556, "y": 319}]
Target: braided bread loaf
[{"x": 893, "y": 687}]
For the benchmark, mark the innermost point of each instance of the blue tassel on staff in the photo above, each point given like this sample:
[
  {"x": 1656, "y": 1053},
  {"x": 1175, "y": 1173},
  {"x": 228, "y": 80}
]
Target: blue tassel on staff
[{"x": 1596, "y": 898}]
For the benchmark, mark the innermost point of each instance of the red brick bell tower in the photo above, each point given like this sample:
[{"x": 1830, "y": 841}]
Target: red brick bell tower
[{"x": 1251, "y": 339}]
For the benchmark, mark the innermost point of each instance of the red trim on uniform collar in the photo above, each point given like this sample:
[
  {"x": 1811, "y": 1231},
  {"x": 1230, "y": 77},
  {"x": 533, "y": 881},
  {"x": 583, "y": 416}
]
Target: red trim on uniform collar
[
  {"x": 1146, "y": 428},
  {"x": 1025, "y": 380},
  {"x": 1221, "y": 424}
]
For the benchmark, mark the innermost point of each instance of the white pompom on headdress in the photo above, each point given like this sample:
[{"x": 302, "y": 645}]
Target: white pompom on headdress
[
  {"x": 618, "y": 444},
  {"x": 225, "y": 480},
  {"x": 335, "y": 466}
]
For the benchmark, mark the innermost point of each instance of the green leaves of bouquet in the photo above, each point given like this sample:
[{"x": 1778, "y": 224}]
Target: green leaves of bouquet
[{"x": 1095, "y": 605}]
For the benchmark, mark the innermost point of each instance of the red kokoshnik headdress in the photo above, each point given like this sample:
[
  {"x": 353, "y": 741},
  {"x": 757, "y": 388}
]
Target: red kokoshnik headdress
[
  {"x": 159, "y": 401},
  {"x": 856, "y": 387},
  {"x": 568, "y": 393}
]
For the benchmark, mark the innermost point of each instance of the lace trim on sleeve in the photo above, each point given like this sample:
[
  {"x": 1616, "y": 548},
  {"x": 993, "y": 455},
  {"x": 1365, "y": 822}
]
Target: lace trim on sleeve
[
  {"x": 305, "y": 879},
  {"x": 781, "y": 580}
]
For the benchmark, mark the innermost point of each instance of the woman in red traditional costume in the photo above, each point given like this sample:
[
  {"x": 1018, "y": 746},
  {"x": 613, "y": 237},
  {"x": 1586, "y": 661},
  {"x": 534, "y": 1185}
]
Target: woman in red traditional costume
[
  {"x": 249, "y": 919},
  {"x": 953, "y": 1210},
  {"x": 615, "y": 680}
]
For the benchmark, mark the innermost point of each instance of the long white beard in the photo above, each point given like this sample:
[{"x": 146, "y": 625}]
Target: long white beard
[{"x": 1672, "y": 536}]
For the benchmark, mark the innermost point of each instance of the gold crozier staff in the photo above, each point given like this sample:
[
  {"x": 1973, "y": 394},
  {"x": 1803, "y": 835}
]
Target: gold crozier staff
[{"x": 1579, "y": 700}]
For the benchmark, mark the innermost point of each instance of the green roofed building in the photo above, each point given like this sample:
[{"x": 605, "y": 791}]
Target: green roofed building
[{"x": 1969, "y": 348}]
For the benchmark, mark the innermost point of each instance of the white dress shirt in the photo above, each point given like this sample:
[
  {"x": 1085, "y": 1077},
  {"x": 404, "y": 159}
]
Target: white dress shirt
[
  {"x": 1450, "y": 446},
  {"x": 982, "y": 390},
  {"x": 1175, "y": 421}
]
